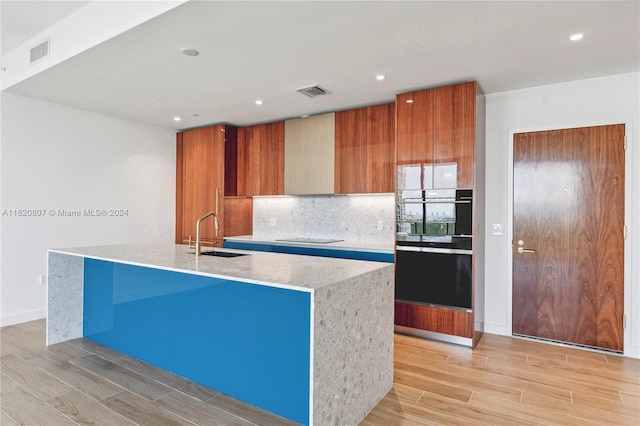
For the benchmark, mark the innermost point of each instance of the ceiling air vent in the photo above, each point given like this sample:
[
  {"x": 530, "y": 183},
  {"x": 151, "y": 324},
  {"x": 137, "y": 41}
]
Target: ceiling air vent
[
  {"x": 313, "y": 91},
  {"x": 39, "y": 52}
]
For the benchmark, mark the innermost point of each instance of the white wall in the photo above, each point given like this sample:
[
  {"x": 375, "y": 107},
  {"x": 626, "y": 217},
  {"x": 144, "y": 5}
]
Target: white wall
[
  {"x": 607, "y": 100},
  {"x": 53, "y": 158}
]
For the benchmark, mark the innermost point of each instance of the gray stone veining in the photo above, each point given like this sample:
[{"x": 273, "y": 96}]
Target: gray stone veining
[
  {"x": 64, "y": 297},
  {"x": 278, "y": 270},
  {"x": 347, "y": 217},
  {"x": 365, "y": 246},
  {"x": 352, "y": 371}
]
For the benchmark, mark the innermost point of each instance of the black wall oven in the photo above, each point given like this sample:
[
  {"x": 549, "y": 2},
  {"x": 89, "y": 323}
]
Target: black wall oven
[
  {"x": 433, "y": 275},
  {"x": 434, "y": 258}
]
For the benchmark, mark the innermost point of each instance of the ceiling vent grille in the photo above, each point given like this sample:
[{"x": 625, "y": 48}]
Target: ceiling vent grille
[
  {"x": 313, "y": 91},
  {"x": 39, "y": 52}
]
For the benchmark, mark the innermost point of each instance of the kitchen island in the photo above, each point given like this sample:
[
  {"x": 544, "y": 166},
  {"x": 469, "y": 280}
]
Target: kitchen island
[{"x": 307, "y": 338}]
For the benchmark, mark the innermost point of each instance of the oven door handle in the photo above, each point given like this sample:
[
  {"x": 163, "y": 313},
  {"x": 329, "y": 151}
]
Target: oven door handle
[{"x": 433, "y": 250}]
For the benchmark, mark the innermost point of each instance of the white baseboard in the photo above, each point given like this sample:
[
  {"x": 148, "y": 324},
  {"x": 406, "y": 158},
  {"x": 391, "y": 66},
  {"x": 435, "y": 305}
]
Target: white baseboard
[
  {"x": 632, "y": 352},
  {"x": 499, "y": 329},
  {"x": 22, "y": 317}
]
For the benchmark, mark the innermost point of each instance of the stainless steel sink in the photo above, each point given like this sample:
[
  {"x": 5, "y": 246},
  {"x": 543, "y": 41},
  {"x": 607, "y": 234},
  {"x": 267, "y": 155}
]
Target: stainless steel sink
[{"x": 219, "y": 253}]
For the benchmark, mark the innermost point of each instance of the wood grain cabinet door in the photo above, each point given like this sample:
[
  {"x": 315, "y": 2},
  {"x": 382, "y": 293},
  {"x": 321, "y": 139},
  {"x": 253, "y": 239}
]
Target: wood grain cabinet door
[
  {"x": 454, "y": 136},
  {"x": 414, "y": 139},
  {"x": 201, "y": 182},
  {"x": 380, "y": 148},
  {"x": 436, "y": 133},
  {"x": 364, "y": 150},
  {"x": 238, "y": 216},
  {"x": 414, "y": 124},
  {"x": 272, "y": 158},
  {"x": 350, "y": 151},
  {"x": 261, "y": 159}
]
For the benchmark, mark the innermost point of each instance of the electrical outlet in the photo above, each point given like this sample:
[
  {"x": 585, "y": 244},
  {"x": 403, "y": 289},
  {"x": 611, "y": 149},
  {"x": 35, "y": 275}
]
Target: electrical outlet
[
  {"x": 42, "y": 279},
  {"x": 380, "y": 225},
  {"x": 496, "y": 229},
  {"x": 272, "y": 221}
]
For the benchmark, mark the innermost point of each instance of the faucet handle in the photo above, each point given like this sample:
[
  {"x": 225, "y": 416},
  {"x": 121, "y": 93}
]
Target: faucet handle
[{"x": 191, "y": 246}]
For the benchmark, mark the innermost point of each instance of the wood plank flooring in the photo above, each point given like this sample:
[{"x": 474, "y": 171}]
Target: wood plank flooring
[
  {"x": 508, "y": 381},
  {"x": 83, "y": 383},
  {"x": 505, "y": 381}
]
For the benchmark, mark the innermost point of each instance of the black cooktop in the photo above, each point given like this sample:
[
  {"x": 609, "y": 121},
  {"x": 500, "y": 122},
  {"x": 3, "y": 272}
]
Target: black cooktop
[{"x": 437, "y": 241}]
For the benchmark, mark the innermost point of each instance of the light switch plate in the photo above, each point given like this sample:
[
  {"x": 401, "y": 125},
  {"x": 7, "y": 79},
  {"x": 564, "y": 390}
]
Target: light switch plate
[{"x": 380, "y": 225}]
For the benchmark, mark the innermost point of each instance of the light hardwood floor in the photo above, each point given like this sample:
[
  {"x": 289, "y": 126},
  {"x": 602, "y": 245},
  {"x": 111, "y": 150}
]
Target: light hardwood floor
[{"x": 504, "y": 381}]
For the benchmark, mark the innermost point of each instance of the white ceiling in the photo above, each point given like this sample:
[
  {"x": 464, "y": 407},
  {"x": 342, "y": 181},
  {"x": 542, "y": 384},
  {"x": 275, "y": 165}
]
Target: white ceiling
[
  {"x": 265, "y": 50},
  {"x": 24, "y": 19}
]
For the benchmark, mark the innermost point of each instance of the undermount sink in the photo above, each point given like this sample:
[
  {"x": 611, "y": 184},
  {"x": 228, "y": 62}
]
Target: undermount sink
[{"x": 222, "y": 253}]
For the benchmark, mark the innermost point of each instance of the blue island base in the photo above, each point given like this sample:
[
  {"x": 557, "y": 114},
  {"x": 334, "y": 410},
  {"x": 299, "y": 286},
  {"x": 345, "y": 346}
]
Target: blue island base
[{"x": 248, "y": 341}]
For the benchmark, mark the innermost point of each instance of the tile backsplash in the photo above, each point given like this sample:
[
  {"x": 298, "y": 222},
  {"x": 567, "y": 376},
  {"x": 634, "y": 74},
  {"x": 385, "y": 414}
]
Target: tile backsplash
[{"x": 348, "y": 217}]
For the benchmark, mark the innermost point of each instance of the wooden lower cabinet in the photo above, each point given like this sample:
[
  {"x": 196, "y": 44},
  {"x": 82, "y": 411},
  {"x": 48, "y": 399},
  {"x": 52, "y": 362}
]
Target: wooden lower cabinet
[
  {"x": 439, "y": 320},
  {"x": 238, "y": 216}
]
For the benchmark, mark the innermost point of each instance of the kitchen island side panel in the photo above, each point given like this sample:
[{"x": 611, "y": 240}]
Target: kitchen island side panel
[
  {"x": 64, "y": 297},
  {"x": 353, "y": 341},
  {"x": 251, "y": 342}
]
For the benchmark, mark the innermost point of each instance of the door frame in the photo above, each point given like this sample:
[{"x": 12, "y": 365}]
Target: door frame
[{"x": 628, "y": 293}]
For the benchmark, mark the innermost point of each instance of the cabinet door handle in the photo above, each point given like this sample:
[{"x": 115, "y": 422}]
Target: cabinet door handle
[
  {"x": 524, "y": 250},
  {"x": 216, "y": 217}
]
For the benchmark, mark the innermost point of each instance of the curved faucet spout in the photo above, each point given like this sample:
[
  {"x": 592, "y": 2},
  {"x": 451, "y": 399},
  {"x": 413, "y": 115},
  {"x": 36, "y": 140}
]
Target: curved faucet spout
[{"x": 216, "y": 224}]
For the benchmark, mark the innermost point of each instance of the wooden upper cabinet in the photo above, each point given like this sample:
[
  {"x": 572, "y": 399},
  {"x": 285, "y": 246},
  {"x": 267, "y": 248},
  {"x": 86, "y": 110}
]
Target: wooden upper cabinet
[
  {"x": 436, "y": 135},
  {"x": 381, "y": 148},
  {"x": 272, "y": 159},
  {"x": 350, "y": 169},
  {"x": 261, "y": 159},
  {"x": 454, "y": 136},
  {"x": 200, "y": 183},
  {"x": 248, "y": 162},
  {"x": 364, "y": 150},
  {"x": 414, "y": 121}
]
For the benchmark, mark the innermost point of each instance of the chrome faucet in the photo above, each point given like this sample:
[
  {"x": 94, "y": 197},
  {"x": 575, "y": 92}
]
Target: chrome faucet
[{"x": 216, "y": 223}]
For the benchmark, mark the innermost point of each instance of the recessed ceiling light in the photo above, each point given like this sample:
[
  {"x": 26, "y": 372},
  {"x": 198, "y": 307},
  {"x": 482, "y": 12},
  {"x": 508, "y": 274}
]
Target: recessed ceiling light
[
  {"x": 189, "y": 51},
  {"x": 176, "y": 118},
  {"x": 409, "y": 101},
  {"x": 258, "y": 102},
  {"x": 379, "y": 77},
  {"x": 576, "y": 37}
]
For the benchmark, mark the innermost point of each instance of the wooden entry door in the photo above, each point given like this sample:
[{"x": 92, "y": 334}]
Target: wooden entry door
[{"x": 568, "y": 235}]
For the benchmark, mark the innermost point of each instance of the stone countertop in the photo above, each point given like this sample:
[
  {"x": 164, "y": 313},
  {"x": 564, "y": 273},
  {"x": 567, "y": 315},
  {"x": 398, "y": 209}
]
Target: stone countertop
[
  {"x": 296, "y": 272},
  {"x": 375, "y": 247}
]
